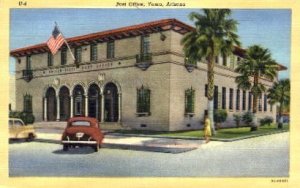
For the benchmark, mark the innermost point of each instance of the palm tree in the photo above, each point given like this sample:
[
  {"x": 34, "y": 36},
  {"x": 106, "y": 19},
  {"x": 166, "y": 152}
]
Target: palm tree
[
  {"x": 280, "y": 93},
  {"x": 214, "y": 34},
  {"x": 256, "y": 64}
]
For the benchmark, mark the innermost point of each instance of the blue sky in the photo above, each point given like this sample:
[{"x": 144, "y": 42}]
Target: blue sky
[{"x": 270, "y": 28}]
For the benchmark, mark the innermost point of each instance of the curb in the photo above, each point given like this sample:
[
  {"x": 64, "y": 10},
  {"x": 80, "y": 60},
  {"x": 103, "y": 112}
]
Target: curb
[
  {"x": 147, "y": 148},
  {"x": 130, "y": 147},
  {"x": 196, "y": 138}
]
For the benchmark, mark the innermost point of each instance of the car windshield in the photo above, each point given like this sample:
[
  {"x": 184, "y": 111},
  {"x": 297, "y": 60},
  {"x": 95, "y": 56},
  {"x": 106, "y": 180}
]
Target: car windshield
[
  {"x": 18, "y": 123},
  {"x": 81, "y": 123}
]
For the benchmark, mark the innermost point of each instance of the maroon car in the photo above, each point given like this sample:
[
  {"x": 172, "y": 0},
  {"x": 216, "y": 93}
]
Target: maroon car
[{"x": 82, "y": 131}]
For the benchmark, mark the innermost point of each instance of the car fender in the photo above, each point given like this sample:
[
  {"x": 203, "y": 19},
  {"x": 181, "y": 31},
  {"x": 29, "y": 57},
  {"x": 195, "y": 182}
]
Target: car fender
[{"x": 25, "y": 134}]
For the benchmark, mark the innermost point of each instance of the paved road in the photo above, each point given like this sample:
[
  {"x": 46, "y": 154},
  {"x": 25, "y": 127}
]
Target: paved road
[{"x": 260, "y": 156}]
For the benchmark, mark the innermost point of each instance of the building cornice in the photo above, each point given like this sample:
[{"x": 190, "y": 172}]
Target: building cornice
[{"x": 109, "y": 35}]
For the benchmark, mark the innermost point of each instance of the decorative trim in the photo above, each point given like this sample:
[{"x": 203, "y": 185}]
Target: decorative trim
[{"x": 190, "y": 67}]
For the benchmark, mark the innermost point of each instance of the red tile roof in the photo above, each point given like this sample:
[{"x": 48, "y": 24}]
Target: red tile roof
[{"x": 154, "y": 26}]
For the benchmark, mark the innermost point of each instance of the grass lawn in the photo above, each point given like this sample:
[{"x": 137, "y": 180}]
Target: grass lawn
[{"x": 221, "y": 133}]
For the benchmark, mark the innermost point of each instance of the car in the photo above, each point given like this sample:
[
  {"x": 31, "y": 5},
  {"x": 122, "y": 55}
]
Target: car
[
  {"x": 18, "y": 130},
  {"x": 82, "y": 131}
]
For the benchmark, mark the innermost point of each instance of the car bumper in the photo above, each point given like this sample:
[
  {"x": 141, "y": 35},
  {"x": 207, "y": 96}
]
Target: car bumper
[{"x": 78, "y": 142}]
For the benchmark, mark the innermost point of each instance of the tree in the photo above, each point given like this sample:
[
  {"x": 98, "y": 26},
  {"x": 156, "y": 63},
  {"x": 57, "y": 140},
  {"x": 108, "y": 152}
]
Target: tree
[
  {"x": 257, "y": 63},
  {"x": 214, "y": 34},
  {"x": 280, "y": 93}
]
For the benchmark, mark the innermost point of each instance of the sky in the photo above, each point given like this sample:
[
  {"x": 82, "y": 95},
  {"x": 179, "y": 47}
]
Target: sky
[{"x": 270, "y": 28}]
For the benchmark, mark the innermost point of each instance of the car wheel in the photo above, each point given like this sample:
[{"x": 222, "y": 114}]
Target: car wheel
[
  {"x": 65, "y": 147},
  {"x": 96, "y": 148},
  {"x": 30, "y": 137}
]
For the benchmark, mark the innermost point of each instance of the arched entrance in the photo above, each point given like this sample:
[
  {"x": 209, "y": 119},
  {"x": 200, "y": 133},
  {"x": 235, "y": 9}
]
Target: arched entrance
[
  {"x": 94, "y": 102},
  {"x": 111, "y": 109},
  {"x": 51, "y": 104},
  {"x": 79, "y": 106},
  {"x": 64, "y": 103}
]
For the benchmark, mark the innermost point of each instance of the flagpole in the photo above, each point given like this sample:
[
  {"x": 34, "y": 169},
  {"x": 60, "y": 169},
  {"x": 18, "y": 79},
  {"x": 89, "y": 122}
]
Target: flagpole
[{"x": 65, "y": 42}]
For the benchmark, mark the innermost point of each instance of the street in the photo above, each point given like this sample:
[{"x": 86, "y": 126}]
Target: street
[{"x": 263, "y": 156}]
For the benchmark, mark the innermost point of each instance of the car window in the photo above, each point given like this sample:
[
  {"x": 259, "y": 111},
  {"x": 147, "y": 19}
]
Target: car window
[
  {"x": 81, "y": 123},
  {"x": 10, "y": 123},
  {"x": 18, "y": 123}
]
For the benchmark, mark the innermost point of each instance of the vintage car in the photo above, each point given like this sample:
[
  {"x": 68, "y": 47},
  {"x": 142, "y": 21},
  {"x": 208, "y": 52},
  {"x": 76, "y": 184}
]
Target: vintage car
[
  {"x": 82, "y": 131},
  {"x": 18, "y": 130}
]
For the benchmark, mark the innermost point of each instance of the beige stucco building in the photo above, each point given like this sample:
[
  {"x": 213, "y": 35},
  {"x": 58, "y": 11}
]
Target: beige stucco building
[{"x": 134, "y": 76}]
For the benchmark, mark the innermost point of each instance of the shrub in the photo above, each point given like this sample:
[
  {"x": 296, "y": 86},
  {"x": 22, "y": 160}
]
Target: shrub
[
  {"x": 266, "y": 121},
  {"x": 237, "y": 118},
  {"x": 219, "y": 117},
  {"x": 247, "y": 118},
  {"x": 27, "y": 118}
]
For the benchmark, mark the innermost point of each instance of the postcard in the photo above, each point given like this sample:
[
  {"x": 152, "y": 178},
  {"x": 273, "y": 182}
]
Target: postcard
[{"x": 149, "y": 93}]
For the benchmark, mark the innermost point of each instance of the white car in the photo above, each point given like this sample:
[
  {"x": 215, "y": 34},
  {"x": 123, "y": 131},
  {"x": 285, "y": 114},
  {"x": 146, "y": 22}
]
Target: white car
[{"x": 18, "y": 130}]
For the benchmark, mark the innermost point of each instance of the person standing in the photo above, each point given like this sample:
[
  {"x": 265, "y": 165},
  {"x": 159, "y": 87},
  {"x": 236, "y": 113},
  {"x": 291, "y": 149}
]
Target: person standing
[{"x": 207, "y": 129}]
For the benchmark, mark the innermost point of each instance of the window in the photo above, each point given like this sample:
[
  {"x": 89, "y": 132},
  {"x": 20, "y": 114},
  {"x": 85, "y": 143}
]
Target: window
[
  {"x": 18, "y": 123},
  {"x": 244, "y": 100},
  {"x": 216, "y": 100},
  {"x": 189, "y": 100},
  {"x": 224, "y": 60},
  {"x": 145, "y": 44},
  {"x": 206, "y": 88},
  {"x": 237, "y": 107},
  {"x": 223, "y": 97},
  {"x": 94, "y": 54},
  {"x": 28, "y": 62},
  {"x": 110, "y": 49},
  {"x": 27, "y": 103},
  {"x": 230, "y": 98},
  {"x": 259, "y": 103},
  {"x": 81, "y": 123},
  {"x": 265, "y": 103},
  {"x": 143, "y": 100},
  {"x": 249, "y": 101},
  {"x": 50, "y": 59},
  {"x": 78, "y": 52},
  {"x": 271, "y": 108},
  {"x": 63, "y": 56}
]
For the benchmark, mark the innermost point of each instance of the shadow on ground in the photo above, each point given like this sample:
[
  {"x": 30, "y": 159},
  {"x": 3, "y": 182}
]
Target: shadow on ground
[{"x": 75, "y": 151}]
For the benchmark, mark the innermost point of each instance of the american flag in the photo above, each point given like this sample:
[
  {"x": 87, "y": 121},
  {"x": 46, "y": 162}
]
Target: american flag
[{"x": 55, "y": 41}]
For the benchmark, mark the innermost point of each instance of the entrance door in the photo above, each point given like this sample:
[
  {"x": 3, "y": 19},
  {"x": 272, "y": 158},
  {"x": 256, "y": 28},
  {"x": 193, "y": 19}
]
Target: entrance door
[
  {"x": 64, "y": 99},
  {"x": 111, "y": 112},
  {"x": 94, "y": 101},
  {"x": 78, "y": 101},
  {"x": 51, "y": 104}
]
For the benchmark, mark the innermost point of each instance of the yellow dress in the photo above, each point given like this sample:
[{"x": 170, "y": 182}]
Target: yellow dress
[{"x": 207, "y": 131}]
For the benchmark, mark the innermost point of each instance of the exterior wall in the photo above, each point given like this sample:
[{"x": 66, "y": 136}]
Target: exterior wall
[
  {"x": 129, "y": 79},
  {"x": 167, "y": 79},
  {"x": 182, "y": 80},
  {"x": 121, "y": 70}
]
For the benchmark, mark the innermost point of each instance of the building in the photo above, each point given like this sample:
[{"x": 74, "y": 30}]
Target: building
[{"x": 134, "y": 76}]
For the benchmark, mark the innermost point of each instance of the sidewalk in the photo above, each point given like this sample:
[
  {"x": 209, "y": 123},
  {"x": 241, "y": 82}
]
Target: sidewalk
[{"x": 165, "y": 145}]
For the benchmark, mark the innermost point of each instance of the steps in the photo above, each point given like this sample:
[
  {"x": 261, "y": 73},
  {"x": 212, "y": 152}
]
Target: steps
[
  {"x": 111, "y": 126},
  {"x": 50, "y": 124},
  {"x": 62, "y": 125}
]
